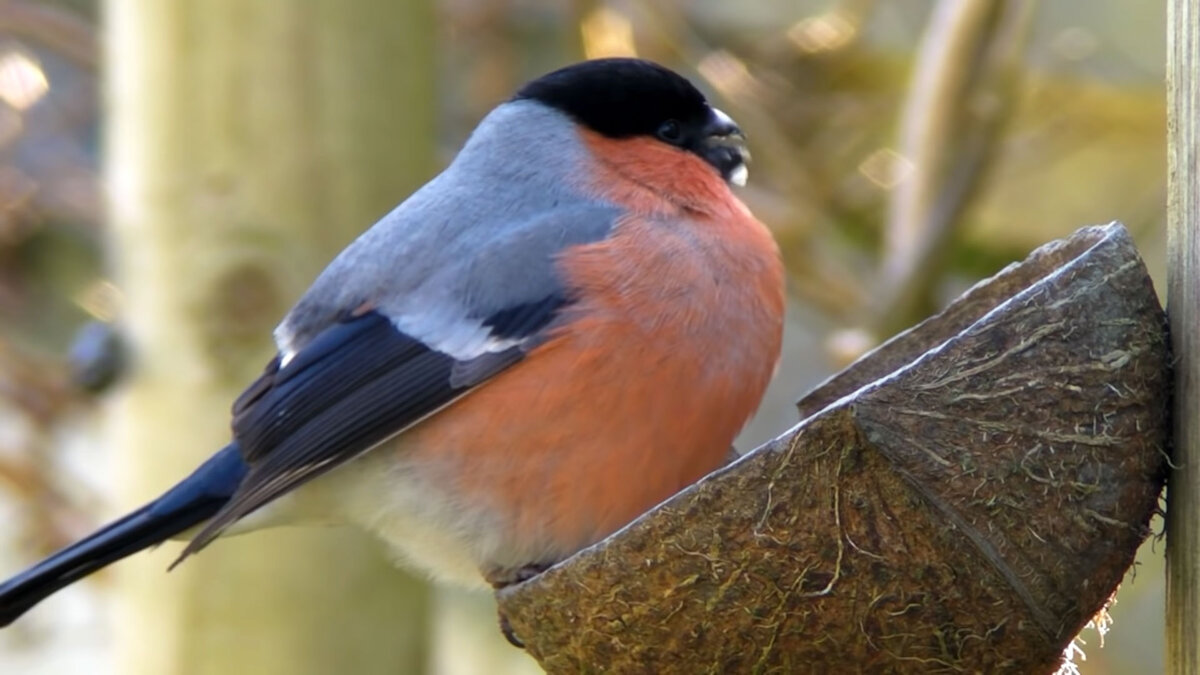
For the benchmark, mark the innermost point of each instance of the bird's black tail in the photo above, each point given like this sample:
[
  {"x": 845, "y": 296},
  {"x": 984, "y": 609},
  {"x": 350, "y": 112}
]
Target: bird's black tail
[{"x": 189, "y": 503}]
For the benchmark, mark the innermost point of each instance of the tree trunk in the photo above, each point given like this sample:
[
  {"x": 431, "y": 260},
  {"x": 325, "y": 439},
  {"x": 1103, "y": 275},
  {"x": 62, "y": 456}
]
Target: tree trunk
[{"x": 247, "y": 143}]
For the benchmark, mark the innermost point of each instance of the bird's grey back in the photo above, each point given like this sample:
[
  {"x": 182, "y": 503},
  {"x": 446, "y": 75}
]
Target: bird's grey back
[{"x": 477, "y": 239}]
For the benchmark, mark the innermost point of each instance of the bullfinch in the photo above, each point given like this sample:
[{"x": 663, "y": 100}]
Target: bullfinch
[{"x": 562, "y": 329}]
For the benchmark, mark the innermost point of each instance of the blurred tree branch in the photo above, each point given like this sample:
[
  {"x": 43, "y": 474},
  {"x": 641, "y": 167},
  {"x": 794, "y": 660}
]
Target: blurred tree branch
[
  {"x": 962, "y": 93},
  {"x": 54, "y": 27}
]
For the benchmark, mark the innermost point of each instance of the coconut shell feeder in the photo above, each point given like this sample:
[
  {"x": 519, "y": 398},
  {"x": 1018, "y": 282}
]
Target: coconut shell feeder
[{"x": 962, "y": 499}]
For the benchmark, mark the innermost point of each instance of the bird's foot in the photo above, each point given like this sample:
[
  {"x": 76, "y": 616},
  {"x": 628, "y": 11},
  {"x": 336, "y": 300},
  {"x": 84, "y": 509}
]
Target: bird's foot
[
  {"x": 507, "y": 629},
  {"x": 507, "y": 577}
]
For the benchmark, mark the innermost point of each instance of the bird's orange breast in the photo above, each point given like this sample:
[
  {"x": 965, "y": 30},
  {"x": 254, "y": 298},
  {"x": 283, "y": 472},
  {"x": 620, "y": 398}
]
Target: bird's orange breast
[{"x": 642, "y": 386}]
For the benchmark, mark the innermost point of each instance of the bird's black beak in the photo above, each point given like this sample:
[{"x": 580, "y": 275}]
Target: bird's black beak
[{"x": 724, "y": 146}]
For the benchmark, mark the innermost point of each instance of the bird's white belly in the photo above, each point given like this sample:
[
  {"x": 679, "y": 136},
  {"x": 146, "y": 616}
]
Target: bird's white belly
[{"x": 428, "y": 529}]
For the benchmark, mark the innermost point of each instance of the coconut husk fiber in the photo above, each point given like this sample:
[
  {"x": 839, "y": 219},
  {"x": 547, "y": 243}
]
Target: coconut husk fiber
[{"x": 962, "y": 499}]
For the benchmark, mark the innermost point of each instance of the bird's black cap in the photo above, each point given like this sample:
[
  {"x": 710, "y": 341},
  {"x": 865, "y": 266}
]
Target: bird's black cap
[{"x": 620, "y": 97}]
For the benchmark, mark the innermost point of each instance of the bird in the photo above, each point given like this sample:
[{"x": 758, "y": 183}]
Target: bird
[{"x": 562, "y": 329}]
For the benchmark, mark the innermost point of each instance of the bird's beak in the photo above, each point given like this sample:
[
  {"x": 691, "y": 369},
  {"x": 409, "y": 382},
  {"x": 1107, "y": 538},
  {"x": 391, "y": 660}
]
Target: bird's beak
[{"x": 724, "y": 147}]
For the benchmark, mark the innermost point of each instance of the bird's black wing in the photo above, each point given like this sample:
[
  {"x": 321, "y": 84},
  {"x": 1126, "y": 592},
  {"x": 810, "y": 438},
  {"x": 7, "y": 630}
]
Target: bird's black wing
[{"x": 356, "y": 384}]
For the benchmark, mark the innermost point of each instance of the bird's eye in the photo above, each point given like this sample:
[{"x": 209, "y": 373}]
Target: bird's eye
[{"x": 670, "y": 131}]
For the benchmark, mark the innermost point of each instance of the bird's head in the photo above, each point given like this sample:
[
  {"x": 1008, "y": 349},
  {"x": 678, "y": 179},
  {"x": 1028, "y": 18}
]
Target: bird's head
[{"x": 627, "y": 97}]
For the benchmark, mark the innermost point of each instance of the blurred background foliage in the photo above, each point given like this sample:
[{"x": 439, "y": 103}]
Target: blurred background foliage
[{"x": 902, "y": 150}]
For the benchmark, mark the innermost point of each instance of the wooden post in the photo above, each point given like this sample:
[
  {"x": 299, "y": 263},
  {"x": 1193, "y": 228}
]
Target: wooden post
[{"x": 1183, "y": 303}]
